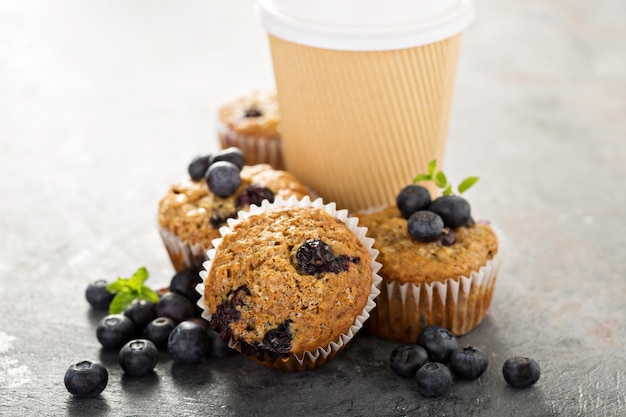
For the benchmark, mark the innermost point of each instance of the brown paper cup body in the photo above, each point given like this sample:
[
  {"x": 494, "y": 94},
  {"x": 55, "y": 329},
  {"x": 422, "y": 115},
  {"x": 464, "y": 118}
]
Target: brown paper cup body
[{"x": 357, "y": 126}]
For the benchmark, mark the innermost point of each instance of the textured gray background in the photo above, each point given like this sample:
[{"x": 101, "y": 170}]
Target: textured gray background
[{"x": 103, "y": 103}]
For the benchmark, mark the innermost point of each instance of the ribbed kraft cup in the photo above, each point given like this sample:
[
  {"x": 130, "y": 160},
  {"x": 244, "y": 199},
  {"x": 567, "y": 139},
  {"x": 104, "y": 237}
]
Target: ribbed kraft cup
[{"x": 357, "y": 126}]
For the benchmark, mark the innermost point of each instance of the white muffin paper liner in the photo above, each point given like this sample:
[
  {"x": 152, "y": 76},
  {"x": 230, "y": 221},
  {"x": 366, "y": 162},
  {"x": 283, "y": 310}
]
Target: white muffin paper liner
[
  {"x": 308, "y": 359},
  {"x": 458, "y": 303},
  {"x": 182, "y": 254},
  {"x": 256, "y": 150}
]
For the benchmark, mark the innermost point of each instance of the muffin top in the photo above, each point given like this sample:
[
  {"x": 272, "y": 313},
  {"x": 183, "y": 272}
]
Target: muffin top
[
  {"x": 194, "y": 214},
  {"x": 255, "y": 114},
  {"x": 407, "y": 260},
  {"x": 287, "y": 280}
]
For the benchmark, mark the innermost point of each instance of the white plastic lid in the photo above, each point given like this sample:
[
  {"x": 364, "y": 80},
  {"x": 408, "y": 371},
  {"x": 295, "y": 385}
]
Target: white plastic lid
[{"x": 364, "y": 25}]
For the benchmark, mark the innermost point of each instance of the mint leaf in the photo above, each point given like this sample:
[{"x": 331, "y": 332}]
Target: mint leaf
[
  {"x": 466, "y": 184},
  {"x": 149, "y": 295},
  {"x": 441, "y": 180},
  {"x": 139, "y": 277},
  {"x": 422, "y": 177},
  {"x": 120, "y": 302},
  {"x": 431, "y": 168},
  {"x": 117, "y": 286},
  {"x": 127, "y": 290}
]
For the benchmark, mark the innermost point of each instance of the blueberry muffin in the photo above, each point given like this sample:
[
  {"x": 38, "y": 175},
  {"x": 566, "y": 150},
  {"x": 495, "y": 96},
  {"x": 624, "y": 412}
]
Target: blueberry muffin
[
  {"x": 250, "y": 123},
  {"x": 191, "y": 212},
  {"x": 290, "y": 283},
  {"x": 439, "y": 266}
]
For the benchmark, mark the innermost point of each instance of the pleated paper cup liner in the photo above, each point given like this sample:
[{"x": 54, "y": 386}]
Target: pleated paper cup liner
[
  {"x": 183, "y": 255},
  {"x": 459, "y": 304},
  {"x": 357, "y": 125},
  {"x": 256, "y": 149},
  {"x": 307, "y": 359}
]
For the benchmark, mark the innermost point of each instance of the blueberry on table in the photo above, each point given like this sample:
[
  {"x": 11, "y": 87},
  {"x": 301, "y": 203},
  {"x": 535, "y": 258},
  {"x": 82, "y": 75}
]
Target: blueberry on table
[
  {"x": 469, "y": 362},
  {"x": 185, "y": 282},
  {"x": 405, "y": 360},
  {"x": 412, "y": 198},
  {"x": 521, "y": 372},
  {"x": 114, "y": 331},
  {"x": 218, "y": 348},
  {"x": 175, "y": 306},
  {"x": 232, "y": 155},
  {"x": 86, "y": 379},
  {"x": 141, "y": 312},
  {"x": 453, "y": 209},
  {"x": 138, "y": 357},
  {"x": 433, "y": 380},
  {"x": 438, "y": 342},
  {"x": 223, "y": 178},
  {"x": 97, "y": 295},
  {"x": 158, "y": 331},
  {"x": 188, "y": 343},
  {"x": 425, "y": 226},
  {"x": 197, "y": 168}
]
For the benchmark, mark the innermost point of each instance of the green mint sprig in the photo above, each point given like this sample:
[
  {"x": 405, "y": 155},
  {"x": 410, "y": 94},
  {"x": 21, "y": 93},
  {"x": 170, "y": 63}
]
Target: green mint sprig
[
  {"x": 441, "y": 181},
  {"x": 127, "y": 290}
]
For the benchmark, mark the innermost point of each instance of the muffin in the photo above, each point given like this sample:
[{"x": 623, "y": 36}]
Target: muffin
[
  {"x": 446, "y": 278},
  {"x": 190, "y": 214},
  {"x": 290, "y": 283},
  {"x": 250, "y": 123}
]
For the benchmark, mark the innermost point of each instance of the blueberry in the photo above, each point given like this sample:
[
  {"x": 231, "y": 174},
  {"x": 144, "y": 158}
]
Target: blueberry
[
  {"x": 447, "y": 238},
  {"x": 218, "y": 218},
  {"x": 405, "y": 360},
  {"x": 197, "y": 168},
  {"x": 425, "y": 226},
  {"x": 433, "y": 380},
  {"x": 158, "y": 331},
  {"x": 438, "y": 342},
  {"x": 315, "y": 257},
  {"x": 86, "y": 379},
  {"x": 114, "y": 331},
  {"x": 227, "y": 311},
  {"x": 175, "y": 306},
  {"x": 138, "y": 357},
  {"x": 469, "y": 362},
  {"x": 184, "y": 283},
  {"x": 454, "y": 210},
  {"x": 98, "y": 296},
  {"x": 278, "y": 339},
  {"x": 218, "y": 348},
  {"x": 188, "y": 343},
  {"x": 232, "y": 155},
  {"x": 252, "y": 111},
  {"x": 412, "y": 198},
  {"x": 254, "y": 194},
  {"x": 521, "y": 372},
  {"x": 141, "y": 312},
  {"x": 223, "y": 178}
]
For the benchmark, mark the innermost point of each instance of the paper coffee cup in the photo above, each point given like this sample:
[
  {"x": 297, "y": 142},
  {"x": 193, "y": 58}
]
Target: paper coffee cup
[{"x": 365, "y": 90}]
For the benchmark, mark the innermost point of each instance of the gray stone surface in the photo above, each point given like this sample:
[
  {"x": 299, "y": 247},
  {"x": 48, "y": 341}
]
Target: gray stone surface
[{"x": 103, "y": 103}]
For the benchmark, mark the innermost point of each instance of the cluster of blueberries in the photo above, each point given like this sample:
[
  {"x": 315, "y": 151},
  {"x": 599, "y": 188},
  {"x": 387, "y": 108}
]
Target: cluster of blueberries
[
  {"x": 428, "y": 219},
  {"x": 220, "y": 170},
  {"x": 436, "y": 356},
  {"x": 173, "y": 325}
]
